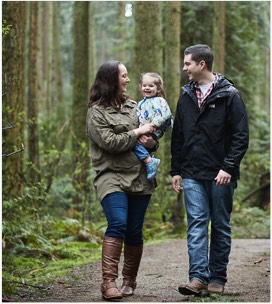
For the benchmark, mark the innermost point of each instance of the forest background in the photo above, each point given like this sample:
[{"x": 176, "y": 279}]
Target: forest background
[{"x": 50, "y": 54}]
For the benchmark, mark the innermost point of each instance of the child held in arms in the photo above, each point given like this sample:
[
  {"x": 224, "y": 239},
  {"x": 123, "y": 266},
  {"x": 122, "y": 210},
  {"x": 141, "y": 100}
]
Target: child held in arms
[{"x": 152, "y": 108}]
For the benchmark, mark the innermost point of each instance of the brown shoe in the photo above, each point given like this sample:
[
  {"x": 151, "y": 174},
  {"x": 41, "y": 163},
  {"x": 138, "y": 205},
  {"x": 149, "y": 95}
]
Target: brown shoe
[
  {"x": 215, "y": 287},
  {"x": 128, "y": 288},
  {"x": 195, "y": 288},
  {"x": 110, "y": 291}
]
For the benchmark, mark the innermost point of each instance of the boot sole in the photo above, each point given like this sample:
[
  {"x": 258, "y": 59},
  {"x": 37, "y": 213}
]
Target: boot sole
[
  {"x": 113, "y": 299},
  {"x": 127, "y": 295},
  {"x": 191, "y": 292}
]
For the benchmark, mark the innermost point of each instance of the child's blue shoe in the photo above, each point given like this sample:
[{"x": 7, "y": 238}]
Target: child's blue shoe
[{"x": 152, "y": 168}]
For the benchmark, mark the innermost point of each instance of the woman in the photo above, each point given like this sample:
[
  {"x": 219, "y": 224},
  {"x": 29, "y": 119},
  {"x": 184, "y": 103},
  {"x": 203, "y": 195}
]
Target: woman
[{"x": 120, "y": 182}]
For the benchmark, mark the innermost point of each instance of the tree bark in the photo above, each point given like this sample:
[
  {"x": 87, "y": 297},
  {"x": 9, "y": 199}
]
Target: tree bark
[
  {"x": 81, "y": 158},
  {"x": 32, "y": 101},
  {"x": 172, "y": 90},
  {"x": 148, "y": 56},
  {"x": 13, "y": 97},
  {"x": 219, "y": 36}
]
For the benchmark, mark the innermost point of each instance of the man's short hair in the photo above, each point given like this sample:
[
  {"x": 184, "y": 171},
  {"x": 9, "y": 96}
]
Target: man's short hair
[{"x": 201, "y": 52}]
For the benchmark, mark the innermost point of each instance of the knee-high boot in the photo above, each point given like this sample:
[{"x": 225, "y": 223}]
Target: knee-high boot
[
  {"x": 111, "y": 252},
  {"x": 132, "y": 259}
]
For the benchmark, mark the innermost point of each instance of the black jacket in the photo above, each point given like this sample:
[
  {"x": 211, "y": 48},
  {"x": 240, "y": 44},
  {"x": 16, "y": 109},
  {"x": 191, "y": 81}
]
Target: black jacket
[{"x": 213, "y": 139}]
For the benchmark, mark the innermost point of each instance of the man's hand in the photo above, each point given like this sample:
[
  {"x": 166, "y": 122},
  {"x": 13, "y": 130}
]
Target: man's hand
[
  {"x": 223, "y": 178},
  {"x": 176, "y": 183}
]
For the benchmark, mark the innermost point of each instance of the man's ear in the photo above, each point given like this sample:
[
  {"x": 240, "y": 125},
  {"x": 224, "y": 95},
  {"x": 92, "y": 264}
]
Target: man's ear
[{"x": 202, "y": 64}]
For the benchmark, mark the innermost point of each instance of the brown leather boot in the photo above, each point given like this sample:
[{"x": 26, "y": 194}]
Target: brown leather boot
[
  {"x": 111, "y": 252},
  {"x": 195, "y": 288},
  {"x": 132, "y": 259}
]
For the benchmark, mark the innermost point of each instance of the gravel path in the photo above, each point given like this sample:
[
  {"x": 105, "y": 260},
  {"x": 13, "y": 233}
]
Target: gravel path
[{"x": 164, "y": 267}]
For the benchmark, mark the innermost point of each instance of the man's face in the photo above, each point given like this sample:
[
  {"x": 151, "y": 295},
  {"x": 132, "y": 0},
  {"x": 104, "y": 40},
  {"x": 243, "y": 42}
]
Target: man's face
[{"x": 193, "y": 70}]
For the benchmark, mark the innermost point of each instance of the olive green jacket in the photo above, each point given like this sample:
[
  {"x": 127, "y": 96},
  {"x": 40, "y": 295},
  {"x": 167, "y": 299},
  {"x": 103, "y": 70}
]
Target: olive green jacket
[{"x": 111, "y": 143}]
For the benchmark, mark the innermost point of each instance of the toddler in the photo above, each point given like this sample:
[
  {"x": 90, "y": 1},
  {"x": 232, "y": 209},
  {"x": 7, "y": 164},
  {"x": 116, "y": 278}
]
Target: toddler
[{"x": 153, "y": 108}]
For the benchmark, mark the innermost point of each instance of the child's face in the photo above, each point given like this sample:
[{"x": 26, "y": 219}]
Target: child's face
[{"x": 149, "y": 88}]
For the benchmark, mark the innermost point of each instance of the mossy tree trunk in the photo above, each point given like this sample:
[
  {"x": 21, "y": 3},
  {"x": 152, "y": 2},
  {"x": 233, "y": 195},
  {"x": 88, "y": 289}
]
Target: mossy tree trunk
[
  {"x": 172, "y": 89},
  {"x": 148, "y": 55},
  {"x": 34, "y": 174},
  {"x": 81, "y": 158},
  {"x": 219, "y": 36},
  {"x": 13, "y": 97}
]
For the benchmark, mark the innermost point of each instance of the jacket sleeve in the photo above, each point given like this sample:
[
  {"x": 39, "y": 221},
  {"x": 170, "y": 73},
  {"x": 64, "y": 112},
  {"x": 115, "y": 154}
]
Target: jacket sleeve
[
  {"x": 102, "y": 133},
  {"x": 162, "y": 113},
  {"x": 177, "y": 142},
  {"x": 239, "y": 133}
]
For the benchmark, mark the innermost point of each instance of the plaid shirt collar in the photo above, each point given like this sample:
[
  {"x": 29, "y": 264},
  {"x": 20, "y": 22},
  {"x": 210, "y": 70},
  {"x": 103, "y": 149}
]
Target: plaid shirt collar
[{"x": 202, "y": 98}]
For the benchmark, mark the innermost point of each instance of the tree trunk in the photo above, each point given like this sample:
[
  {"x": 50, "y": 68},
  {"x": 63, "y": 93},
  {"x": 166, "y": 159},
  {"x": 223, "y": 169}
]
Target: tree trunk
[
  {"x": 13, "y": 97},
  {"x": 148, "y": 56},
  {"x": 219, "y": 36},
  {"x": 172, "y": 90},
  {"x": 92, "y": 45},
  {"x": 172, "y": 53},
  {"x": 57, "y": 92},
  {"x": 32, "y": 101},
  {"x": 121, "y": 34},
  {"x": 81, "y": 158},
  {"x": 45, "y": 57}
]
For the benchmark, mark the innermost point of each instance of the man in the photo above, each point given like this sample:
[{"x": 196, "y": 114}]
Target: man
[{"x": 209, "y": 140}]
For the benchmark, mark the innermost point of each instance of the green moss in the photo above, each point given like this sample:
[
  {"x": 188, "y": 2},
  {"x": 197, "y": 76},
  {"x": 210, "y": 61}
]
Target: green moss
[{"x": 42, "y": 271}]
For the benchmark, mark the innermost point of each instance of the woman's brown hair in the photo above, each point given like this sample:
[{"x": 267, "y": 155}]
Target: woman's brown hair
[{"x": 105, "y": 89}]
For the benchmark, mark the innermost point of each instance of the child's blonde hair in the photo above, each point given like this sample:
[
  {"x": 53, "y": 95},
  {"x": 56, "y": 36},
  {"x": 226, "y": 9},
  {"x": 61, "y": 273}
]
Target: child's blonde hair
[{"x": 157, "y": 80}]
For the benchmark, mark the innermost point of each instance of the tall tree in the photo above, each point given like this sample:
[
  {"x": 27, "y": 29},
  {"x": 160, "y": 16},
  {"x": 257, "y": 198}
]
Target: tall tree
[
  {"x": 45, "y": 55},
  {"x": 172, "y": 64},
  {"x": 219, "y": 36},
  {"x": 81, "y": 159},
  {"x": 121, "y": 33},
  {"x": 57, "y": 91},
  {"x": 148, "y": 55},
  {"x": 13, "y": 16},
  {"x": 32, "y": 100},
  {"x": 92, "y": 44}
]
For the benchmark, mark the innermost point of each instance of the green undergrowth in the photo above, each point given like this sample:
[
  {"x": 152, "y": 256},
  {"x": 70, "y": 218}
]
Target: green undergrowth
[
  {"x": 38, "y": 270},
  {"x": 251, "y": 223}
]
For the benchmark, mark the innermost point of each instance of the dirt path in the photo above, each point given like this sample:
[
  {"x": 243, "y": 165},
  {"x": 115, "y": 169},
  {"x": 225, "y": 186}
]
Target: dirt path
[{"x": 163, "y": 268}]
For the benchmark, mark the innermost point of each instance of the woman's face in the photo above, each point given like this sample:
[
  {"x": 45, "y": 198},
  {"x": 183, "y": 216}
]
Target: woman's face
[{"x": 123, "y": 78}]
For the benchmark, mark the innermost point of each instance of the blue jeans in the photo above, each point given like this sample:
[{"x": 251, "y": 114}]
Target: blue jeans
[
  {"x": 125, "y": 215},
  {"x": 205, "y": 202},
  {"x": 141, "y": 152}
]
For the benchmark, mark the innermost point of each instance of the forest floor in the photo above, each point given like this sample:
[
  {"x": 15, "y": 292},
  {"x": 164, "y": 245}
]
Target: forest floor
[{"x": 165, "y": 266}]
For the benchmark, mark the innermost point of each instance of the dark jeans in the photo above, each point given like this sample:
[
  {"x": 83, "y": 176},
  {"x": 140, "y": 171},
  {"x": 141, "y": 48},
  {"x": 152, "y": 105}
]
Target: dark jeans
[{"x": 125, "y": 215}]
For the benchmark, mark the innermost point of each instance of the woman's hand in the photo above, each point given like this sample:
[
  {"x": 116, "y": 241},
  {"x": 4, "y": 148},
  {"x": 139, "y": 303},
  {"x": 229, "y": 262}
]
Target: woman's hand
[{"x": 147, "y": 141}]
